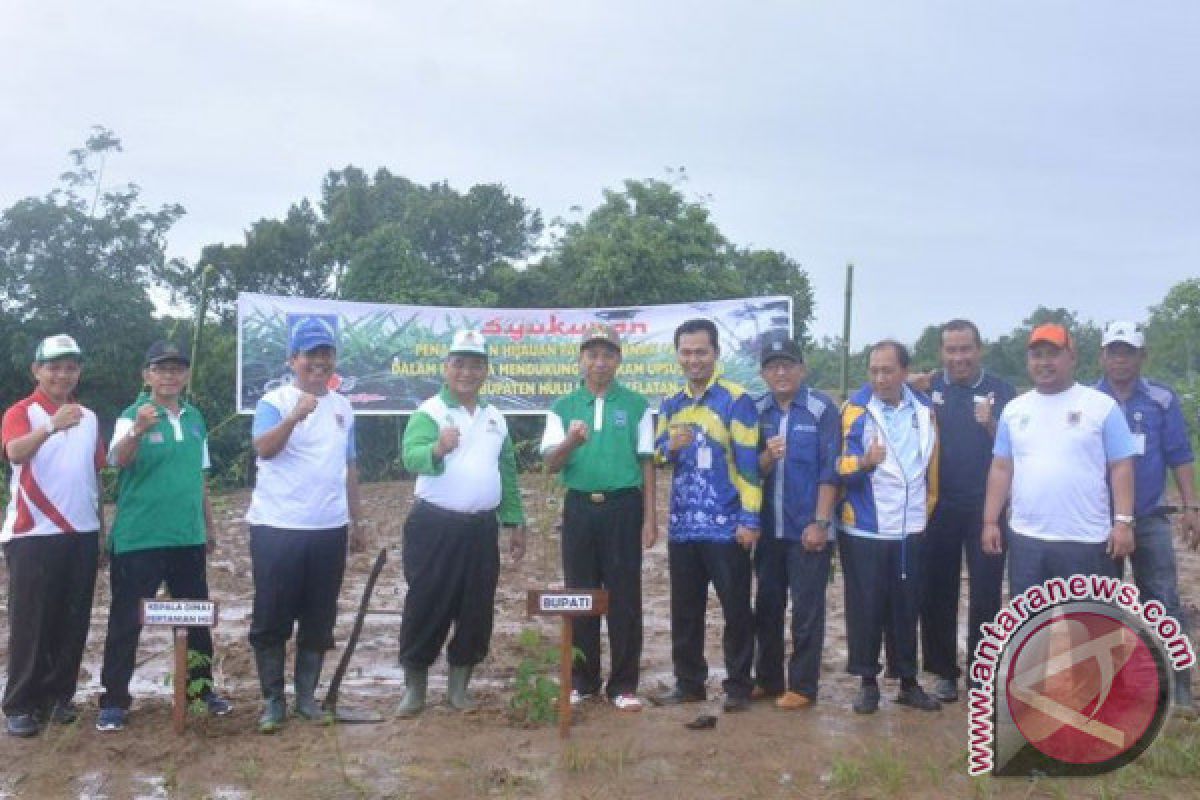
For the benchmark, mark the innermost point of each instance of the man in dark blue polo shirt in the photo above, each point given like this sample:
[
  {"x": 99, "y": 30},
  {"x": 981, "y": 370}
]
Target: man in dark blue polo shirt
[
  {"x": 967, "y": 402},
  {"x": 800, "y": 433},
  {"x": 1161, "y": 443}
]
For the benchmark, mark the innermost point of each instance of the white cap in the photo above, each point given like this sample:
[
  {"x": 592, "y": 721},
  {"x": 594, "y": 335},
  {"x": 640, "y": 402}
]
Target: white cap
[
  {"x": 58, "y": 346},
  {"x": 1123, "y": 331},
  {"x": 469, "y": 342}
]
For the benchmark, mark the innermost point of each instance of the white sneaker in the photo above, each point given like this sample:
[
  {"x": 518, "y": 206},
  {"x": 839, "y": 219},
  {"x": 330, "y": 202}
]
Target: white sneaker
[
  {"x": 627, "y": 702},
  {"x": 576, "y": 698}
]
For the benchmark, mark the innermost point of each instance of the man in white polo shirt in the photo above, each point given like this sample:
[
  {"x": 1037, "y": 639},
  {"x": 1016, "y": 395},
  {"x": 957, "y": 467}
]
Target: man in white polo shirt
[
  {"x": 304, "y": 504},
  {"x": 1059, "y": 448},
  {"x": 51, "y": 538},
  {"x": 458, "y": 446}
]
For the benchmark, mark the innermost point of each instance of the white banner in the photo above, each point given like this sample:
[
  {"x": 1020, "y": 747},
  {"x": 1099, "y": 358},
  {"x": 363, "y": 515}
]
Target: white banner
[{"x": 390, "y": 356}]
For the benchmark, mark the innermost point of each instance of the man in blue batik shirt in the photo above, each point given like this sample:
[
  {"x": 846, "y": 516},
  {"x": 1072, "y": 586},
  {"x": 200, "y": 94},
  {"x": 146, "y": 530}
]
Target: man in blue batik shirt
[
  {"x": 1161, "y": 443},
  {"x": 798, "y": 446},
  {"x": 708, "y": 432}
]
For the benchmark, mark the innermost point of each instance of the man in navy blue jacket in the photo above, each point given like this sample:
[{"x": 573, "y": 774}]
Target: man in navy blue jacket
[
  {"x": 967, "y": 402},
  {"x": 800, "y": 432}
]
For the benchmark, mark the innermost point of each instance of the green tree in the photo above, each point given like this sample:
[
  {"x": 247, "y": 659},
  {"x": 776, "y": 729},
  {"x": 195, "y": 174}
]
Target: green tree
[
  {"x": 648, "y": 244},
  {"x": 276, "y": 257},
  {"x": 450, "y": 241},
  {"x": 1173, "y": 333},
  {"x": 80, "y": 260},
  {"x": 1006, "y": 356}
]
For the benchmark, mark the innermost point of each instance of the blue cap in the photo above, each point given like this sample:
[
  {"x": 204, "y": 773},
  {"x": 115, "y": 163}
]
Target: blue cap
[{"x": 309, "y": 334}]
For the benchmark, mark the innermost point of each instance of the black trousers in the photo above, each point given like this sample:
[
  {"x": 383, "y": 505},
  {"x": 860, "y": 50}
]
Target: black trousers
[
  {"x": 136, "y": 576},
  {"x": 297, "y": 578},
  {"x": 452, "y": 565},
  {"x": 50, "y": 584},
  {"x": 784, "y": 567},
  {"x": 693, "y": 565},
  {"x": 952, "y": 532},
  {"x": 602, "y": 549},
  {"x": 882, "y": 579}
]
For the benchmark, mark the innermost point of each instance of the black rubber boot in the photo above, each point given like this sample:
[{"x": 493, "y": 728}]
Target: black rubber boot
[
  {"x": 270, "y": 678},
  {"x": 308, "y": 674}
]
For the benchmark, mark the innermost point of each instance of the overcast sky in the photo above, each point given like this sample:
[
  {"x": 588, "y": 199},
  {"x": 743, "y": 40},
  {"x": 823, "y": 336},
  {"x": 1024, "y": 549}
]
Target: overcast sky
[{"x": 971, "y": 158}]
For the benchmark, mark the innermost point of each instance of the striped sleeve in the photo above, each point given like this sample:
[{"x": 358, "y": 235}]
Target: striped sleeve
[
  {"x": 849, "y": 463},
  {"x": 743, "y": 430}
]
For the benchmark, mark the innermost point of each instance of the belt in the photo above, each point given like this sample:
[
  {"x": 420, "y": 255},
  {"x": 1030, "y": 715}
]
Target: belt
[
  {"x": 446, "y": 512},
  {"x": 603, "y": 497}
]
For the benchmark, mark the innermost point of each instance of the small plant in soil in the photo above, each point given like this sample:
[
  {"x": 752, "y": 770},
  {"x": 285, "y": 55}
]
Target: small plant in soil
[{"x": 535, "y": 697}]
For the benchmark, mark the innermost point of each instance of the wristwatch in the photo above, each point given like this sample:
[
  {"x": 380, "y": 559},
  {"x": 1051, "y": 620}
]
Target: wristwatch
[
  {"x": 823, "y": 524},
  {"x": 49, "y": 426},
  {"x": 1123, "y": 519}
]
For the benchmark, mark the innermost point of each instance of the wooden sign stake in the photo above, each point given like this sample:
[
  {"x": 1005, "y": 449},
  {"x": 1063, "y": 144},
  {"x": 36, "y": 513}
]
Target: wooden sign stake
[
  {"x": 566, "y": 603},
  {"x": 180, "y": 615}
]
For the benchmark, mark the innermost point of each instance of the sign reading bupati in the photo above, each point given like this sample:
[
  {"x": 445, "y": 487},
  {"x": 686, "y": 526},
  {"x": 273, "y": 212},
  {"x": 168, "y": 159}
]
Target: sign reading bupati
[
  {"x": 390, "y": 356},
  {"x": 569, "y": 602}
]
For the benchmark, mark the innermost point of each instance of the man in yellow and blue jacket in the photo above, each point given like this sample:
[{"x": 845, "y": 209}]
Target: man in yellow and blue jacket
[
  {"x": 708, "y": 432},
  {"x": 888, "y": 466}
]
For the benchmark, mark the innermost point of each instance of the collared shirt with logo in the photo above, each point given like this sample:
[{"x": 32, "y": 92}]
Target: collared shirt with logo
[
  {"x": 480, "y": 474},
  {"x": 715, "y": 486},
  {"x": 160, "y": 495},
  {"x": 1160, "y": 437},
  {"x": 813, "y": 437},
  {"x": 620, "y": 436}
]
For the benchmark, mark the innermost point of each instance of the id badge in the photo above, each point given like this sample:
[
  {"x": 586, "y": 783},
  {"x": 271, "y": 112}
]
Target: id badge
[
  {"x": 704, "y": 457},
  {"x": 1139, "y": 444}
]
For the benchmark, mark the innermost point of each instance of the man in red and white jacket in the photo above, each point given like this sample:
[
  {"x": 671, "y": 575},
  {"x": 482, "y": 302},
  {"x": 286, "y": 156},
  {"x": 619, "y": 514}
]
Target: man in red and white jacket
[{"x": 51, "y": 538}]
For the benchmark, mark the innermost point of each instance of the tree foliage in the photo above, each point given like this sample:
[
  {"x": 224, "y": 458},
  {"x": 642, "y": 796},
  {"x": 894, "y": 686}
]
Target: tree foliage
[{"x": 81, "y": 260}]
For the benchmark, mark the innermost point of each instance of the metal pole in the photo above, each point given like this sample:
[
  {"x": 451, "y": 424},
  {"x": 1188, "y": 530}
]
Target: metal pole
[
  {"x": 201, "y": 310},
  {"x": 845, "y": 384}
]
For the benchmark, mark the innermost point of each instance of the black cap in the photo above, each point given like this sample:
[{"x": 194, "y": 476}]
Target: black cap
[
  {"x": 166, "y": 351},
  {"x": 777, "y": 344}
]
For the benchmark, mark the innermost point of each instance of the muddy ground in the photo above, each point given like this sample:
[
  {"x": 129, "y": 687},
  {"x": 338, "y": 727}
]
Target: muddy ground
[{"x": 825, "y": 751}]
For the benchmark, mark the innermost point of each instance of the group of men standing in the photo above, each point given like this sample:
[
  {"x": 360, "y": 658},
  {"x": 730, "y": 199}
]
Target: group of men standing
[{"x": 913, "y": 472}]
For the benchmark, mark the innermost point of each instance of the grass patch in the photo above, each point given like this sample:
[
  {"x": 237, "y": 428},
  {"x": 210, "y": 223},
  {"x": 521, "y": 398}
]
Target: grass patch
[{"x": 846, "y": 774}]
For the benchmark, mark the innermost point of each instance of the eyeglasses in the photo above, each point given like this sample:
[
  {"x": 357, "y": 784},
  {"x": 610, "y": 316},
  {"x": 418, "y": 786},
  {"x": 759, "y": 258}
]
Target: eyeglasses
[{"x": 169, "y": 368}]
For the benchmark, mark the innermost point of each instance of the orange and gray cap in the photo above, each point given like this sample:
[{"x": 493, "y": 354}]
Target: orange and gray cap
[{"x": 1051, "y": 333}]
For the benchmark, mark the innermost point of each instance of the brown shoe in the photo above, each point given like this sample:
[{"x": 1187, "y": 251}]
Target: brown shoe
[{"x": 793, "y": 701}]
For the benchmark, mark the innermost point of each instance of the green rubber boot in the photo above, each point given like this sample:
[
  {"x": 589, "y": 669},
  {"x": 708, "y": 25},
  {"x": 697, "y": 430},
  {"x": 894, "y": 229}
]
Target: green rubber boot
[
  {"x": 308, "y": 674},
  {"x": 416, "y": 682},
  {"x": 270, "y": 677},
  {"x": 456, "y": 689}
]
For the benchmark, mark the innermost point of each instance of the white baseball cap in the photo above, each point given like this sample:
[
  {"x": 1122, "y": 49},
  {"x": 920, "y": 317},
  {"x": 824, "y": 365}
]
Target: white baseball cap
[
  {"x": 55, "y": 347},
  {"x": 1123, "y": 331},
  {"x": 468, "y": 342}
]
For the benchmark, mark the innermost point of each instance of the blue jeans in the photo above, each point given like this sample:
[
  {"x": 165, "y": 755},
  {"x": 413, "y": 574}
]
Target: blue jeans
[
  {"x": 1154, "y": 570},
  {"x": 1032, "y": 561}
]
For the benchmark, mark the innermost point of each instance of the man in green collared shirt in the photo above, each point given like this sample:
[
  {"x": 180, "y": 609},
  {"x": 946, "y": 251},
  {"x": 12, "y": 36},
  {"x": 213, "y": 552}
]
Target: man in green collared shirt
[
  {"x": 163, "y": 528},
  {"x": 601, "y": 438}
]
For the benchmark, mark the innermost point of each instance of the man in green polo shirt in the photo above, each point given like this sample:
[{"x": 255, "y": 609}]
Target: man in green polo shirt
[
  {"x": 163, "y": 525},
  {"x": 601, "y": 438}
]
